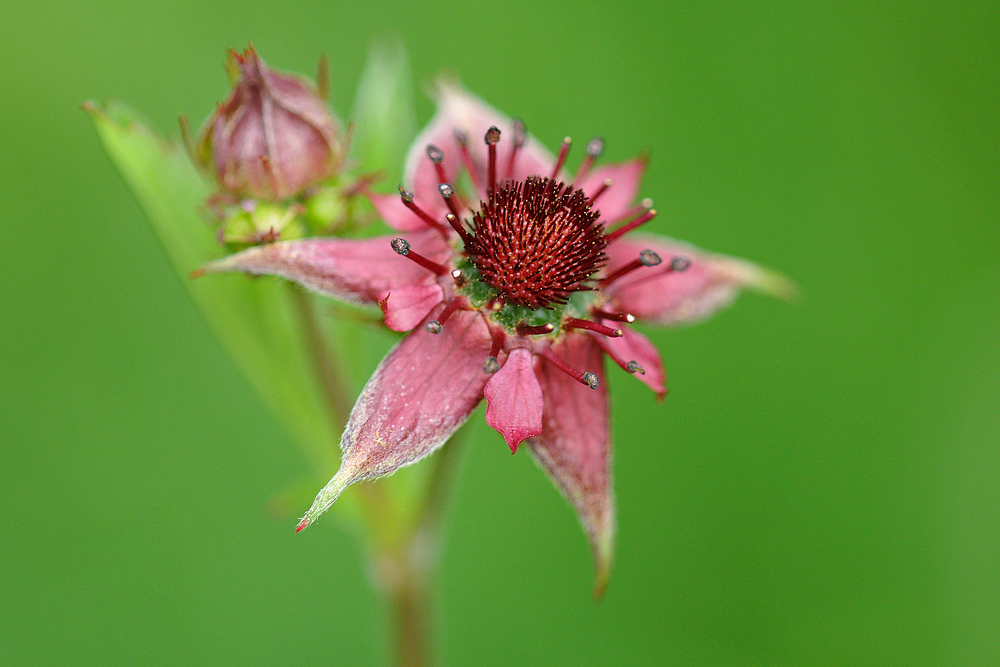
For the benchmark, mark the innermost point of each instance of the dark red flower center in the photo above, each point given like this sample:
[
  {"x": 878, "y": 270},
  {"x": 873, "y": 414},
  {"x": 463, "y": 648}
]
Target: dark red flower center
[{"x": 537, "y": 241}]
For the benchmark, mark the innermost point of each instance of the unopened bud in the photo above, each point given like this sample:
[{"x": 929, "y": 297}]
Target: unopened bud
[{"x": 272, "y": 137}]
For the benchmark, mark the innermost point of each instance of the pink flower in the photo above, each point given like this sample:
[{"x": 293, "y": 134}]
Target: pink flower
[{"x": 514, "y": 292}]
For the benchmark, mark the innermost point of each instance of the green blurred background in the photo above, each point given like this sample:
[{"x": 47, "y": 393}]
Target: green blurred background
[{"x": 822, "y": 485}]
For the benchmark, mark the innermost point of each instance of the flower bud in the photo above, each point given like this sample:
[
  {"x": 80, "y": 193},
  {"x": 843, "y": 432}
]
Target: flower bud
[{"x": 272, "y": 137}]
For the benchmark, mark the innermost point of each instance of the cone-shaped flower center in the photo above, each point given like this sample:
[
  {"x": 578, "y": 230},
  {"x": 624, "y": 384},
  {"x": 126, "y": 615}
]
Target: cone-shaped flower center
[{"x": 537, "y": 241}]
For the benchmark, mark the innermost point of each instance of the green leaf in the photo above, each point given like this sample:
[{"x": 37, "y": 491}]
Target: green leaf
[
  {"x": 258, "y": 321},
  {"x": 383, "y": 111}
]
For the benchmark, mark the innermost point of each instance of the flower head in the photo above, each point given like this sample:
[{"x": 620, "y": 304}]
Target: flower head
[
  {"x": 514, "y": 289},
  {"x": 272, "y": 137}
]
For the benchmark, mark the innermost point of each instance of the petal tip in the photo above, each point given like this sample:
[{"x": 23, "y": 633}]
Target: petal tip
[
  {"x": 773, "y": 283},
  {"x": 603, "y": 560},
  {"x": 600, "y": 587},
  {"x": 326, "y": 497},
  {"x": 232, "y": 263}
]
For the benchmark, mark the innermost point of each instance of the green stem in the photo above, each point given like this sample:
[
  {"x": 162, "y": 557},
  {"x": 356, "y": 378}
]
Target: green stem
[
  {"x": 412, "y": 566},
  {"x": 405, "y": 557},
  {"x": 327, "y": 370}
]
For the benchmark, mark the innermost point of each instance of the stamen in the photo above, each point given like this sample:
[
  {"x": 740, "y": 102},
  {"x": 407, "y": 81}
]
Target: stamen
[
  {"x": 463, "y": 148},
  {"x": 574, "y": 323},
  {"x": 629, "y": 226},
  {"x": 459, "y": 278},
  {"x": 628, "y": 318},
  {"x": 448, "y": 194},
  {"x": 452, "y": 306},
  {"x": 492, "y": 137},
  {"x": 634, "y": 367},
  {"x": 437, "y": 157},
  {"x": 601, "y": 190},
  {"x": 492, "y": 365},
  {"x": 457, "y": 225},
  {"x": 402, "y": 247},
  {"x": 498, "y": 340},
  {"x": 594, "y": 149},
  {"x": 561, "y": 160},
  {"x": 646, "y": 258},
  {"x": 528, "y": 330},
  {"x": 520, "y": 135},
  {"x": 679, "y": 264},
  {"x": 437, "y": 326},
  {"x": 645, "y": 204},
  {"x": 589, "y": 379},
  {"x": 407, "y": 198}
]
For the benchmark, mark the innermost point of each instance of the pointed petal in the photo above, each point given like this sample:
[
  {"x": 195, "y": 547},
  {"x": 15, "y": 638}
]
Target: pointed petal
[
  {"x": 633, "y": 346},
  {"x": 359, "y": 271},
  {"x": 677, "y": 297},
  {"x": 405, "y": 307},
  {"x": 626, "y": 177},
  {"x": 458, "y": 109},
  {"x": 514, "y": 399},
  {"x": 418, "y": 396},
  {"x": 574, "y": 447}
]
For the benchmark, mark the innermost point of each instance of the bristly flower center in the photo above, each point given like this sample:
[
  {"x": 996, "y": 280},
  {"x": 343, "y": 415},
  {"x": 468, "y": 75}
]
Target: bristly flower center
[{"x": 537, "y": 241}]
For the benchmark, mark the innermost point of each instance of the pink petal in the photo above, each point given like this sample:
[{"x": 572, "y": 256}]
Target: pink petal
[
  {"x": 514, "y": 399},
  {"x": 677, "y": 297},
  {"x": 418, "y": 396},
  {"x": 459, "y": 109},
  {"x": 618, "y": 198},
  {"x": 359, "y": 271},
  {"x": 633, "y": 346},
  {"x": 404, "y": 307},
  {"x": 391, "y": 209},
  {"x": 574, "y": 447}
]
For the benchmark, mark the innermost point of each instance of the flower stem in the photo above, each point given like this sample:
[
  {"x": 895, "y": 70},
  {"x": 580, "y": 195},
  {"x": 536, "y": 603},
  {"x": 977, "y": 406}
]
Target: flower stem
[
  {"x": 404, "y": 546},
  {"x": 327, "y": 370},
  {"x": 412, "y": 566}
]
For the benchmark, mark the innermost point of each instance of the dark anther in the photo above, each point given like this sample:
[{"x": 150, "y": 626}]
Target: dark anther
[
  {"x": 679, "y": 263},
  {"x": 492, "y": 135},
  {"x": 520, "y": 132},
  {"x": 595, "y": 147},
  {"x": 592, "y": 380},
  {"x": 435, "y": 154},
  {"x": 634, "y": 367},
  {"x": 401, "y": 246},
  {"x": 491, "y": 366},
  {"x": 650, "y": 258}
]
